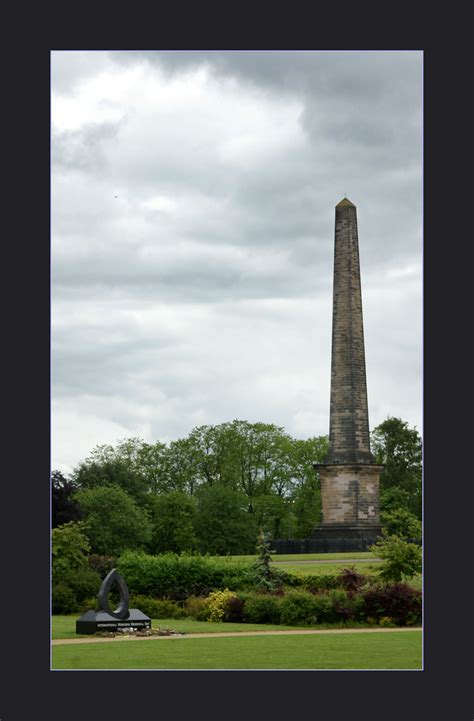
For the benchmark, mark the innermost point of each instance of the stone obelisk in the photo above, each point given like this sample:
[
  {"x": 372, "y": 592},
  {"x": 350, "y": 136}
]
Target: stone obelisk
[{"x": 349, "y": 476}]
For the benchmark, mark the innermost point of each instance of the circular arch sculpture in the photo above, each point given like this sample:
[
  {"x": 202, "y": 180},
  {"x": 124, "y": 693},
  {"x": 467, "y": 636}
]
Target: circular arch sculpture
[
  {"x": 107, "y": 619},
  {"x": 121, "y": 611}
]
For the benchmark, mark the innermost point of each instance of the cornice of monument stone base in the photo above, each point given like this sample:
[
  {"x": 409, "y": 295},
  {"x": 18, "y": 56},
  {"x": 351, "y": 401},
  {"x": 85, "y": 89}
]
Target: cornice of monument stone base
[{"x": 354, "y": 466}]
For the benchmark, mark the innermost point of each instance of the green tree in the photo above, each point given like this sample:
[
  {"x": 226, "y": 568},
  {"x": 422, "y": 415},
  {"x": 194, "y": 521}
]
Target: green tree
[
  {"x": 72, "y": 579},
  {"x": 172, "y": 518},
  {"x": 223, "y": 523},
  {"x": 271, "y": 511},
  {"x": 263, "y": 575},
  {"x": 63, "y": 506},
  {"x": 113, "y": 521},
  {"x": 394, "y": 498},
  {"x": 137, "y": 467},
  {"x": 306, "y": 489},
  {"x": 401, "y": 523},
  {"x": 306, "y": 507},
  {"x": 69, "y": 549},
  {"x": 182, "y": 465},
  {"x": 150, "y": 463},
  {"x": 399, "y": 448},
  {"x": 259, "y": 458},
  {"x": 93, "y": 474},
  {"x": 400, "y": 559}
]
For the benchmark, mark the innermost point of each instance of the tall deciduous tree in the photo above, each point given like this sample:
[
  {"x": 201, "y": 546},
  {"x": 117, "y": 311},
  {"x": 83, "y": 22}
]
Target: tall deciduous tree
[
  {"x": 64, "y": 507},
  {"x": 399, "y": 448},
  {"x": 223, "y": 523},
  {"x": 306, "y": 494},
  {"x": 69, "y": 549},
  {"x": 172, "y": 517},
  {"x": 113, "y": 521}
]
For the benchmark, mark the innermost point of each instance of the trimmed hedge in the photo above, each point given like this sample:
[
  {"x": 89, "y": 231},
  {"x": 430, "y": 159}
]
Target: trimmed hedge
[
  {"x": 157, "y": 608},
  {"x": 313, "y": 583},
  {"x": 177, "y": 577}
]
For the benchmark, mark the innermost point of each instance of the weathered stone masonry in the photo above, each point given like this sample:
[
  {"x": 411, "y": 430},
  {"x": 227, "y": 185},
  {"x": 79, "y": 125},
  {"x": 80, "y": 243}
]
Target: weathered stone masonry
[{"x": 349, "y": 476}]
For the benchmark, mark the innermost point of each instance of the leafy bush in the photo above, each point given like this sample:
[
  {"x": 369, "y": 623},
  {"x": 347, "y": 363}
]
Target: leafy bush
[
  {"x": 178, "y": 577},
  {"x": 63, "y": 599},
  {"x": 102, "y": 564},
  {"x": 260, "y": 608},
  {"x": 345, "y": 606},
  {"x": 335, "y": 606},
  {"x": 197, "y": 608},
  {"x": 323, "y": 606},
  {"x": 400, "y": 558},
  {"x": 351, "y": 580},
  {"x": 84, "y": 583},
  {"x": 234, "y": 611},
  {"x": 217, "y": 603},
  {"x": 298, "y": 608},
  {"x": 386, "y": 622},
  {"x": 157, "y": 608},
  {"x": 399, "y": 601},
  {"x": 312, "y": 583},
  {"x": 88, "y": 604}
]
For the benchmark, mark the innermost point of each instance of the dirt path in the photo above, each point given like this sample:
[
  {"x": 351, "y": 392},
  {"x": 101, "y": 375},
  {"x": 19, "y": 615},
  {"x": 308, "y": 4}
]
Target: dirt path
[{"x": 64, "y": 641}]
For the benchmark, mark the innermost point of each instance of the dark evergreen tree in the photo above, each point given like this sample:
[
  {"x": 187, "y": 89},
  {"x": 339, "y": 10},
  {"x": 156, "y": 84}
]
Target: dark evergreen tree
[{"x": 64, "y": 507}]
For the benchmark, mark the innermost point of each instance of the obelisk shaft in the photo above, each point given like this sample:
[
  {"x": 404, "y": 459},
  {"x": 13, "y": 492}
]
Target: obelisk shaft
[
  {"x": 349, "y": 440},
  {"x": 349, "y": 476}
]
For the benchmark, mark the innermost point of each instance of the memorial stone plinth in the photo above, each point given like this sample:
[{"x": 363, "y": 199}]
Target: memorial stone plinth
[{"x": 105, "y": 619}]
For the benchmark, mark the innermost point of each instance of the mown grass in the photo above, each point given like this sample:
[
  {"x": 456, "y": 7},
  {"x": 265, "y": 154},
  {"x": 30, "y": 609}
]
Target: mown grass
[
  {"x": 305, "y": 556},
  {"x": 396, "y": 650},
  {"x": 327, "y": 569},
  {"x": 65, "y": 626}
]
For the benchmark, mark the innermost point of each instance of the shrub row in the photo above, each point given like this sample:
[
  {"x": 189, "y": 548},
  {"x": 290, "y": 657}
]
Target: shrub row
[
  {"x": 178, "y": 577},
  {"x": 386, "y": 604}
]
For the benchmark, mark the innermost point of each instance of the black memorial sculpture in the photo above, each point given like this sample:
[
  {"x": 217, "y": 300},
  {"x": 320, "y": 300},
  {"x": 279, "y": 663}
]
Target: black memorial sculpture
[{"x": 122, "y": 618}]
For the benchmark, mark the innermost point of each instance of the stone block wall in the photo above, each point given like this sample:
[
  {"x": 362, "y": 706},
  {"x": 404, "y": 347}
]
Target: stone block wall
[{"x": 350, "y": 494}]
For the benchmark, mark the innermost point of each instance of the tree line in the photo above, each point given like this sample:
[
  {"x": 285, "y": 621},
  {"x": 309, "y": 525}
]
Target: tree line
[{"x": 212, "y": 491}]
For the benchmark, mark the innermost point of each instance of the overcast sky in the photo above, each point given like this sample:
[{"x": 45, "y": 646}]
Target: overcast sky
[{"x": 193, "y": 200}]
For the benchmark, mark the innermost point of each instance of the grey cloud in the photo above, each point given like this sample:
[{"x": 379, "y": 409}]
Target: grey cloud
[
  {"x": 71, "y": 67},
  {"x": 220, "y": 306},
  {"x": 361, "y": 74},
  {"x": 83, "y": 149}
]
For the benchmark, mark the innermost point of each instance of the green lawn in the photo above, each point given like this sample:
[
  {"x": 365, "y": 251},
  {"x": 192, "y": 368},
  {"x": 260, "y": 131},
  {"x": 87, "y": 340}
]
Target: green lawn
[
  {"x": 65, "y": 626},
  {"x": 397, "y": 650},
  {"x": 327, "y": 569},
  {"x": 305, "y": 556}
]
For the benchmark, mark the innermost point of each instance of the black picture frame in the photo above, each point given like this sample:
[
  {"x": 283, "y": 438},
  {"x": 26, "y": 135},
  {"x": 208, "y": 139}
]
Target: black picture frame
[{"x": 442, "y": 691}]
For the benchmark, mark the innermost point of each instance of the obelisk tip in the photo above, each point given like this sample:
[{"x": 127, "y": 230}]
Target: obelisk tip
[{"x": 345, "y": 202}]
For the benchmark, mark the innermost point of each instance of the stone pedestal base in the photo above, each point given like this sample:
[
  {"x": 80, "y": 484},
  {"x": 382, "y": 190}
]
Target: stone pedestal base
[
  {"x": 337, "y": 538},
  {"x": 349, "y": 494},
  {"x": 94, "y": 621}
]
